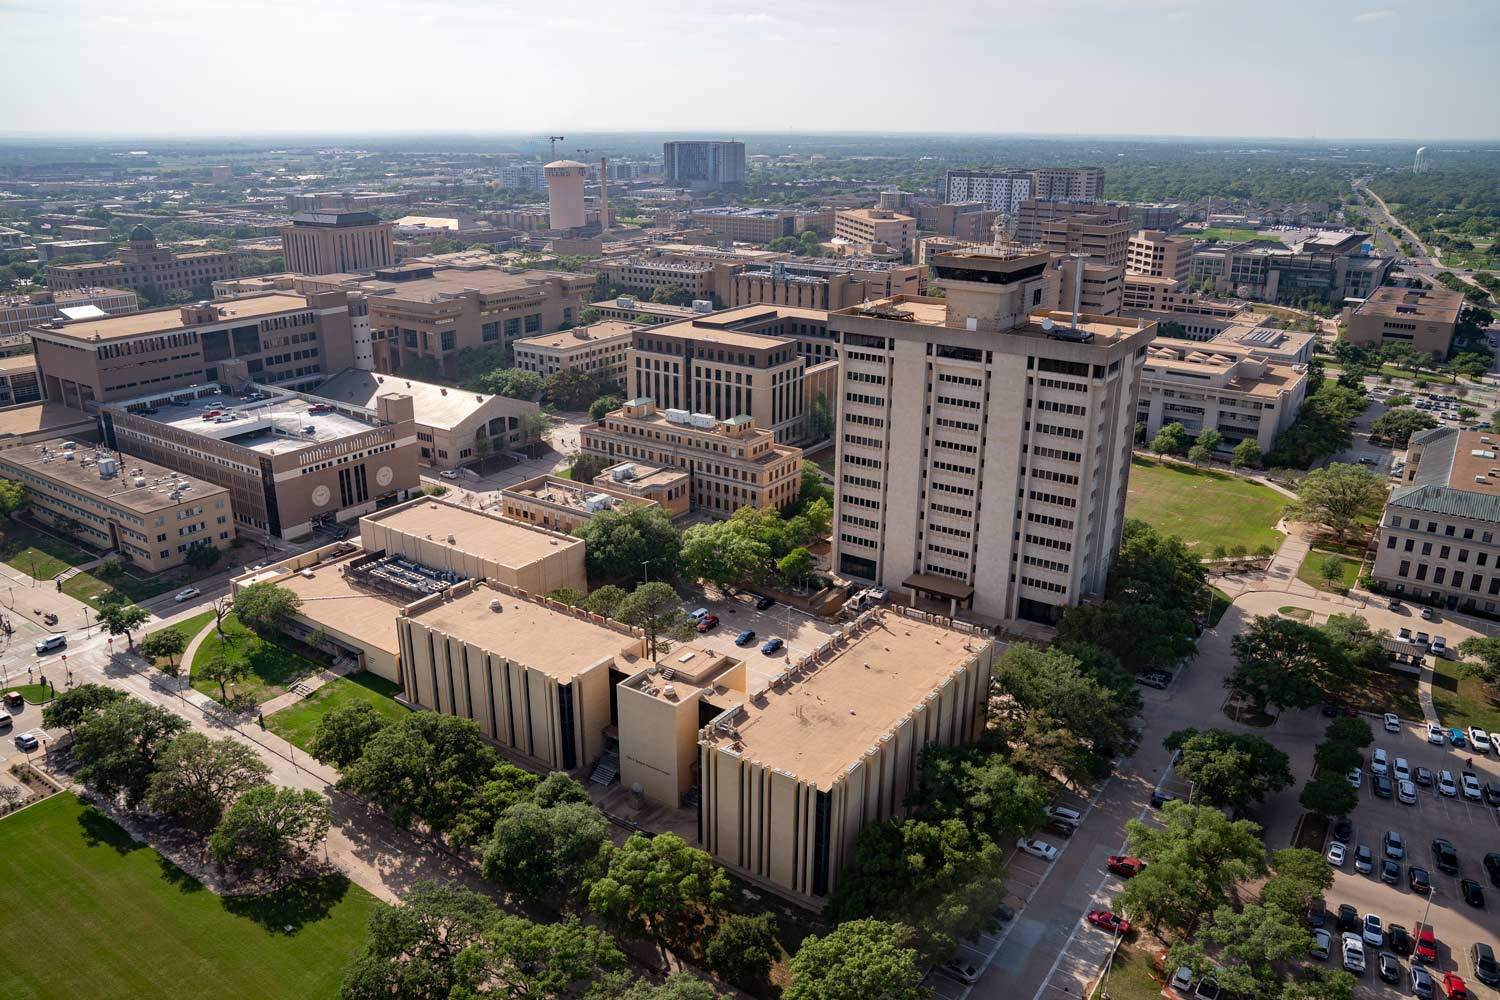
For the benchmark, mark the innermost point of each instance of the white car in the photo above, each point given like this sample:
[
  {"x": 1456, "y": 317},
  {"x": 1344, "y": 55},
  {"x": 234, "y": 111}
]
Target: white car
[
  {"x": 1446, "y": 784},
  {"x": 1356, "y": 778},
  {"x": 1354, "y": 952},
  {"x": 1435, "y": 734},
  {"x": 1479, "y": 739},
  {"x": 1374, "y": 933},
  {"x": 1336, "y": 854},
  {"x": 1392, "y": 722},
  {"x": 1401, "y": 771},
  {"x": 1037, "y": 848},
  {"x": 1379, "y": 762},
  {"x": 1063, "y": 814},
  {"x": 1406, "y": 793},
  {"x": 186, "y": 594},
  {"x": 1439, "y": 646},
  {"x": 1471, "y": 786}
]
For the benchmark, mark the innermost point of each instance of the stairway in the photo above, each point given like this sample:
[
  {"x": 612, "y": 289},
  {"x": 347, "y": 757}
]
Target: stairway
[{"x": 607, "y": 771}]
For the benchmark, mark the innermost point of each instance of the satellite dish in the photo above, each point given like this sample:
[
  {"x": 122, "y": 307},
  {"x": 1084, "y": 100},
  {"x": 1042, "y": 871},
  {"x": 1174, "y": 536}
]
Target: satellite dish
[{"x": 1047, "y": 324}]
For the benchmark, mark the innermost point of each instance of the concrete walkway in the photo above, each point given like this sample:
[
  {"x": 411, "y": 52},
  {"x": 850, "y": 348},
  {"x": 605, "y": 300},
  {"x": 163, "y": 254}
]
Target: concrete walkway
[{"x": 305, "y": 687}]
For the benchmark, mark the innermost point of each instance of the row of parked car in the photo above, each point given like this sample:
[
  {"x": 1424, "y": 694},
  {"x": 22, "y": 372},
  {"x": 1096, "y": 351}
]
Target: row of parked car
[{"x": 1420, "y": 947}]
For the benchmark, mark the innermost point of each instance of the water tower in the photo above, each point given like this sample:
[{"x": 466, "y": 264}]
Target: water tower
[
  {"x": 1423, "y": 162},
  {"x": 565, "y": 193}
]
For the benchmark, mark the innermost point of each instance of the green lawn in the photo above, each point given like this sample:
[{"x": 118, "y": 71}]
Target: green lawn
[
  {"x": 1203, "y": 507},
  {"x": 190, "y": 627},
  {"x": 35, "y": 694},
  {"x": 110, "y": 919},
  {"x": 91, "y": 590},
  {"x": 38, "y": 555},
  {"x": 299, "y": 722},
  {"x": 1224, "y": 234},
  {"x": 1310, "y": 572},
  {"x": 1462, "y": 701},
  {"x": 273, "y": 668},
  {"x": 1132, "y": 975}
]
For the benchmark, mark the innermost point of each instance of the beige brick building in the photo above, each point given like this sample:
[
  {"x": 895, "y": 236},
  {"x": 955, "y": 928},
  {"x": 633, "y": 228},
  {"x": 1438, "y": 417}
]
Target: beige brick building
[
  {"x": 733, "y": 463},
  {"x": 816, "y": 283},
  {"x": 19, "y": 313},
  {"x": 143, "y": 265},
  {"x": 1105, "y": 241},
  {"x": 561, "y": 504},
  {"x": 331, "y": 241},
  {"x": 1033, "y": 212},
  {"x": 1421, "y": 318},
  {"x": 598, "y": 349},
  {"x": 1204, "y": 387},
  {"x": 115, "y": 501},
  {"x": 666, "y": 485},
  {"x": 865, "y": 226},
  {"x": 1154, "y": 253},
  {"x": 1101, "y": 293},
  {"x": 747, "y": 225},
  {"x": 1068, "y": 183}
]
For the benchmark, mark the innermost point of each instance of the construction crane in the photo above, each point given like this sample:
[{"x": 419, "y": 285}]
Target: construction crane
[
  {"x": 554, "y": 140},
  {"x": 585, "y": 151}
]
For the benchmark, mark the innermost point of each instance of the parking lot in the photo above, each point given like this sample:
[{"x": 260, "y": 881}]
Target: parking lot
[{"x": 1472, "y": 827}]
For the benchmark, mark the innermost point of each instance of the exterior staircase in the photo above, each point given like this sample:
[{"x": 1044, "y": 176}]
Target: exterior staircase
[{"x": 607, "y": 771}]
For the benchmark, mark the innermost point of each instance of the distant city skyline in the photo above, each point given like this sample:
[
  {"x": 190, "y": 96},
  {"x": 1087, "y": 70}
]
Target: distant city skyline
[{"x": 1334, "y": 70}]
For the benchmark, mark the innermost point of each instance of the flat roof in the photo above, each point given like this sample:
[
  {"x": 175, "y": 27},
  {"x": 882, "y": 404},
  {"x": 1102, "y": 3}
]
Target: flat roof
[
  {"x": 165, "y": 320},
  {"x": 29, "y": 418},
  {"x": 444, "y": 282},
  {"x": 81, "y": 473},
  {"x": 756, "y": 312},
  {"x": 435, "y": 405},
  {"x": 1438, "y": 305},
  {"x": 610, "y": 329},
  {"x": 487, "y": 536},
  {"x": 557, "y": 643},
  {"x": 566, "y": 493},
  {"x": 17, "y": 362},
  {"x": 934, "y": 312},
  {"x": 275, "y": 425},
  {"x": 343, "y": 603},
  {"x": 817, "y": 727},
  {"x": 711, "y": 333}
]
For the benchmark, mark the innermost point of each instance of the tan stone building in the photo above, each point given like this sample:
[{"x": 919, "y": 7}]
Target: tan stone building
[
  {"x": 31, "y": 424},
  {"x": 290, "y": 461},
  {"x": 947, "y": 401},
  {"x": 20, "y": 382},
  {"x": 1105, "y": 241},
  {"x": 143, "y": 264},
  {"x": 598, "y": 350},
  {"x": 747, "y": 225},
  {"x": 1100, "y": 294},
  {"x": 282, "y": 339},
  {"x": 331, "y": 241},
  {"x": 451, "y": 422},
  {"x": 629, "y": 309},
  {"x": 19, "y": 313},
  {"x": 1031, "y": 213},
  {"x": 867, "y": 226},
  {"x": 733, "y": 463},
  {"x": 1214, "y": 387},
  {"x": 1154, "y": 253},
  {"x": 969, "y": 221},
  {"x": 1068, "y": 183},
  {"x": 665, "y": 485},
  {"x": 1421, "y": 318},
  {"x": 1440, "y": 533},
  {"x": 818, "y": 283},
  {"x": 560, "y": 504},
  {"x": 115, "y": 501}
]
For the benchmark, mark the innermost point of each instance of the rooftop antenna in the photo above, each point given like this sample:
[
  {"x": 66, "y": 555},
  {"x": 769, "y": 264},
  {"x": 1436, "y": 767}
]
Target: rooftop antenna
[{"x": 554, "y": 140}]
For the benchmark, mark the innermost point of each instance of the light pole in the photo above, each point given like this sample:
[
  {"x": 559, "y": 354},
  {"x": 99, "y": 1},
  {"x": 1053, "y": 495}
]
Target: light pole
[{"x": 646, "y": 568}]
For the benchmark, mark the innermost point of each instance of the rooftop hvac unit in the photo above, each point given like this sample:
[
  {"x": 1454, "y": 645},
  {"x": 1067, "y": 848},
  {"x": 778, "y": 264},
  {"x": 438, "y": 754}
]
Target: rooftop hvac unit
[
  {"x": 675, "y": 416},
  {"x": 623, "y": 473},
  {"x": 495, "y": 604},
  {"x": 108, "y": 467},
  {"x": 703, "y": 305},
  {"x": 625, "y": 302},
  {"x": 598, "y": 502},
  {"x": 706, "y": 421},
  {"x": 307, "y": 573},
  {"x": 139, "y": 481}
]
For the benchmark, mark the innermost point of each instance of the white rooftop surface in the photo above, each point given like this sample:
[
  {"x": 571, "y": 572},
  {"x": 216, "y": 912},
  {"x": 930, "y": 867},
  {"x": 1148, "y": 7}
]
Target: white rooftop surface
[
  {"x": 83, "y": 312},
  {"x": 435, "y": 405},
  {"x": 269, "y": 426}
]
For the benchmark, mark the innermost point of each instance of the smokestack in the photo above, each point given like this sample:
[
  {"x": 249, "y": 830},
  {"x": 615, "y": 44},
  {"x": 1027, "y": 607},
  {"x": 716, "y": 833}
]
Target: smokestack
[{"x": 603, "y": 196}]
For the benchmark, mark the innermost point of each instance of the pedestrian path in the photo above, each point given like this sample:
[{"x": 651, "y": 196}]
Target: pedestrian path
[{"x": 306, "y": 686}]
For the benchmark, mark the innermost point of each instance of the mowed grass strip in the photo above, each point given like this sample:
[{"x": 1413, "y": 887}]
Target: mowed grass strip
[
  {"x": 110, "y": 919},
  {"x": 273, "y": 668},
  {"x": 299, "y": 723},
  {"x": 1203, "y": 507}
]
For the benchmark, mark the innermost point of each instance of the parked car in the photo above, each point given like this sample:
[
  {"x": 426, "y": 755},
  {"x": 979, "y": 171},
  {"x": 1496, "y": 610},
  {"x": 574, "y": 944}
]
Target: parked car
[
  {"x": 1421, "y": 982},
  {"x": 1426, "y": 950},
  {"x": 1456, "y": 737},
  {"x": 1182, "y": 979},
  {"x": 1208, "y": 989},
  {"x": 1388, "y": 967},
  {"x": 1390, "y": 872},
  {"x": 771, "y": 646},
  {"x": 1473, "y": 893},
  {"x": 1060, "y": 827},
  {"x": 186, "y": 594},
  {"x": 762, "y": 602},
  {"x": 1355, "y": 777},
  {"x": 1404, "y": 634},
  {"x": 1321, "y": 941},
  {"x": 1037, "y": 848},
  {"x": 1406, "y": 793},
  {"x": 1418, "y": 880},
  {"x": 1381, "y": 785},
  {"x": 1479, "y": 739},
  {"x": 1348, "y": 917},
  {"x": 1400, "y": 770},
  {"x": 1445, "y": 856},
  {"x": 1364, "y": 859},
  {"x": 1434, "y": 734},
  {"x": 27, "y": 742},
  {"x": 1354, "y": 953},
  {"x": 1153, "y": 679},
  {"x": 1400, "y": 940},
  {"x": 14, "y": 699},
  {"x": 1379, "y": 762},
  {"x": 1421, "y": 639},
  {"x": 1454, "y": 986},
  {"x": 1486, "y": 969},
  {"x": 1492, "y": 867},
  {"x": 1392, "y": 722},
  {"x": 1127, "y": 866},
  {"x": 1395, "y": 845},
  {"x": 1374, "y": 931},
  {"x": 1470, "y": 782},
  {"x": 1439, "y": 646},
  {"x": 1492, "y": 793},
  {"x": 1343, "y": 830},
  {"x": 1109, "y": 921},
  {"x": 1070, "y": 816},
  {"x": 708, "y": 623},
  {"x": 1427, "y": 614},
  {"x": 745, "y": 638},
  {"x": 1446, "y": 785},
  {"x": 965, "y": 972},
  {"x": 1422, "y": 776},
  {"x": 1336, "y": 854}
]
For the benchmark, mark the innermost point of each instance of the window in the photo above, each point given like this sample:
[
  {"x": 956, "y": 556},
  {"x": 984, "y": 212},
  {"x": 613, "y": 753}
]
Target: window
[
  {"x": 534, "y": 323},
  {"x": 450, "y": 340},
  {"x": 490, "y": 332}
]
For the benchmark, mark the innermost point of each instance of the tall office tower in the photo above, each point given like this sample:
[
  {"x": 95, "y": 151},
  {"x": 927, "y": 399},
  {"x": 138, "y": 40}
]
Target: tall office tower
[
  {"x": 705, "y": 165},
  {"x": 983, "y": 450},
  {"x": 335, "y": 241},
  {"x": 1069, "y": 183},
  {"x": 1000, "y": 190}
]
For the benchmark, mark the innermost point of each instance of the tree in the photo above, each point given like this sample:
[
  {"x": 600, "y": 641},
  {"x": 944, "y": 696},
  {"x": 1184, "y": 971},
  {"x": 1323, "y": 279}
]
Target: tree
[
  {"x": 201, "y": 555},
  {"x": 123, "y": 619},
  {"x": 656, "y": 609},
  {"x": 1284, "y": 664},
  {"x": 197, "y": 778},
  {"x": 343, "y": 733},
  {"x": 515, "y": 383},
  {"x": 1172, "y": 439},
  {"x": 571, "y": 388},
  {"x": 481, "y": 809},
  {"x": 605, "y": 601},
  {"x": 1155, "y": 568},
  {"x": 630, "y": 542},
  {"x": 795, "y": 565},
  {"x": 571, "y": 596},
  {"x": 166, "y": 644},
  {"x": 1229, "y": 769},
  {"x": 586, "y": 467},
  {"x": 1481, "y": 659},
  {"x": 820, "y": 419},
  {"x": 1203, "y": 448},
  {"x": 980, "y": 788},
  {"x": 658, "y": 886},
  {"x": 1246, "y": 455},
  {"x": 266, "y": 609},
  {"x": 1319, "y": 984},
  {"x": 73, "y": 706},
  {"x": 270, "y": 828},
  {"x": 1398, "y": 424},
  {"x": 1338, "y": 496},
  {"x": 1329, "y": 795},
  {"x": 678, "y": 986},
  {"x": 516, "y": 958},
  {"x": 1331, "y": 571},
  {"x": 1197, "y": 855},
  {"x": 1142, "y": 636},
  {"x": 720, "y": 552},
  {"x": 13, "y": 498},
  {"x": 1299, "y": 877},
  {"x": 743, "y": 948},
  {"x": 222, "y": 607},
  {"x": 224, "y": 671},
  {"x": 412, "y": 949},
  {"x": 857, "y": 960},
  {"x": 1355, "y": 732},
  {"x": 604, "y": 405},
  {"x": 1357, "y": 642},
  {"x": 422, "y": 767},
  {"x": 117, "y": 747},
  {"x": 541, "y": 852}
]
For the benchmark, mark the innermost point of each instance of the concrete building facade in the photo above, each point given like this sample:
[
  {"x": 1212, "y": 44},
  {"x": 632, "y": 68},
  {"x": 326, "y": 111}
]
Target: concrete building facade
[
  {"x": 598, "y": 349},
  {"x": 868, "y": 226},
  {"x": 19, "y": 313},
  {"x": 1154, "y": 253},
  {"x": 560, "y": 504},
  {"x": 1423, "y": 319},
  {"x": 1204, "y": 387},
  {"x": 333, "y": 241},
  {"x": 998, "y": 190},
  {"x": 1105, "y": 241},
  {"x": 144, "y": 266},
  {"x": 704, "y": 165}
]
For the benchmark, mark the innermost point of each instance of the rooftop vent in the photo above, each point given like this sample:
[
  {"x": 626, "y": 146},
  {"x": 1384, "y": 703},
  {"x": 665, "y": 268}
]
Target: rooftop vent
[{"x": 495, "y": 604}]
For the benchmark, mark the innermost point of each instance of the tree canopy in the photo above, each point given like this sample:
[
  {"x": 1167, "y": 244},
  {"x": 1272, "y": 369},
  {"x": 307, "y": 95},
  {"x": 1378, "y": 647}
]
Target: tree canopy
[
  {"x": 1336, "y": 497},
  {"x": 266, "y": 609},
  {"x": 1229, "y": 769},
  {"x": 857, "y": 960},
  {"x": 630, "y": 542}
]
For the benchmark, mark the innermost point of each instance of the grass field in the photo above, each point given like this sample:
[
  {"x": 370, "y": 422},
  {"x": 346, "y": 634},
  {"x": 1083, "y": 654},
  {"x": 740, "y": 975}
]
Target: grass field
[
  {"x": 299, "y": 722},
  {"x": 38, "y": 555},
  {"x": 1462, "y": 701},
  {"x": 1203, "y": 507},
  {"x": 93, "y": 591},
  {"x": 1311, "y": 571},
  {"x": 1224, "y": 234},
  {"x": 273, "y": 668},
  {"x": 189, "y": 627},
  {"x": 1132, "y": 975},
  {"x": 110, "y": 919},
  {"x": 35, "y": 694}
]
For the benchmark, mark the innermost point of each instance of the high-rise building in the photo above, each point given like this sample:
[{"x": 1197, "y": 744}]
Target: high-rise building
[
  {"x": 999, "y": 190},
  {"x": 1070, "y": 183},
  {"x": 705, "y": 165},
  {"x": 944, "y": 402},
  {"x": 1032, "y": 213},
  {"x": 335, "y": 240},
  {"x": 1101, "y": 292},
  {"x": 1155, "y": 254},
  {"x": 1105, "y": 241}
]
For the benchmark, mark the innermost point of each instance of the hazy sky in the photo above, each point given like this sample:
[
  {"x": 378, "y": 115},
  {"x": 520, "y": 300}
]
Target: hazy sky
[{"x": 1294, "y": 68}]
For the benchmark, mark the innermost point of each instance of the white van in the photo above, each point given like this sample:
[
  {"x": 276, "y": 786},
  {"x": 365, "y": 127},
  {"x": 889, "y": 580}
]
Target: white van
[
  {"x": 1378, "y": 763},
  {"x": 52, "y": 642}
]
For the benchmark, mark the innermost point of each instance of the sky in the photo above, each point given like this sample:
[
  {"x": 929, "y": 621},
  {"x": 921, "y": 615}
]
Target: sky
[{"x": 1323, "y": 69}]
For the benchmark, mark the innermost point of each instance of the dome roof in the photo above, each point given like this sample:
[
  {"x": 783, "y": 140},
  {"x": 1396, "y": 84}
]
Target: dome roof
[
  {"x": 565, "y": 163},
  {"x": 140, "y": 234}
]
